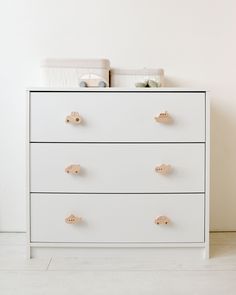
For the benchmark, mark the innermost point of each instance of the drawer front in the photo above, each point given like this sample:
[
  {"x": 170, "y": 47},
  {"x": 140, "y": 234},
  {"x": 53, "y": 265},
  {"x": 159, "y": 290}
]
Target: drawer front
[
  {"x": 117, "y": 168},
  {"x": 117, "y": 218},
  {"x": 117, "y": 117}
]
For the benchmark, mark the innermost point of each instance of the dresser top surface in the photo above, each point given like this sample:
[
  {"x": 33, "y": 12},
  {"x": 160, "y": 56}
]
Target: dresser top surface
[{"x": 114, "y": 89}]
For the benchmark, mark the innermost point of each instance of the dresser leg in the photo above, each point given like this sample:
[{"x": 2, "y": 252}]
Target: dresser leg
[
  {"x": 206, "y": 253},
  {"x": 28, "y": 252}
]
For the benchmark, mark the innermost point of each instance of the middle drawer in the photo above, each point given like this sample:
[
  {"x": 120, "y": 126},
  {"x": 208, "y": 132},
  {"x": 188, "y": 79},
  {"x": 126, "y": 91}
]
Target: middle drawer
[{"x": 117, "y": 168}]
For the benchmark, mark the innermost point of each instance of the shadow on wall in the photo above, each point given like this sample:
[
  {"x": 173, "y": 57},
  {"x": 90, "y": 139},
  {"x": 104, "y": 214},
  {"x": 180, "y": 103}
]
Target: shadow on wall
[
  {"x": 223, "y": 176},
  {"x": 172, "y": 82}
]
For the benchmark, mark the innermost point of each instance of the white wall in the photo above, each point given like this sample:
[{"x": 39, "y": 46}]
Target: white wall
[{"x": 194, "y": 41}]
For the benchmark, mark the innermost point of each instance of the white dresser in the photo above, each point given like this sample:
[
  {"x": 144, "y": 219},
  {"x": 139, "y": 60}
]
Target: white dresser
[{"x": 116, "y": 168}]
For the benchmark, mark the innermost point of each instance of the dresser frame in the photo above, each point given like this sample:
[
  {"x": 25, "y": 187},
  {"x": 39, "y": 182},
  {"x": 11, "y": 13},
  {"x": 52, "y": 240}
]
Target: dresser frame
[{"x": 121, "y": 249}]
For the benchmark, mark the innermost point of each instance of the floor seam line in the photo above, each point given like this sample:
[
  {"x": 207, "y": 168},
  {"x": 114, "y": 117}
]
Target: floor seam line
[{"x": 47, "y": 268}]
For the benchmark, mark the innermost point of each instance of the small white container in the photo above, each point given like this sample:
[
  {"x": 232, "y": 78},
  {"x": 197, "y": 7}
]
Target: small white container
[
  {"x": 71, "y": 72},
  {"x": 128, "y": 78}
]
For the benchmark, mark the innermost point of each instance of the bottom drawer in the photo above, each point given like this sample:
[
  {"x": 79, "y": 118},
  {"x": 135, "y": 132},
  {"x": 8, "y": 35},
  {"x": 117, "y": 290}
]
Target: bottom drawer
[{"x": 117, "y": 218}]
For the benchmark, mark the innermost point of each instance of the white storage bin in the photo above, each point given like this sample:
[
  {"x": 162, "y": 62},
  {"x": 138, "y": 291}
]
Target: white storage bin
[
  {"x": 128, "y": 78},
  {"x": 71, "y": 72}
]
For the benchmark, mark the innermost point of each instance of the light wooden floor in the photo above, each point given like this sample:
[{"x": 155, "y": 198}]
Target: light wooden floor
[{"x": 114, "y": 276}]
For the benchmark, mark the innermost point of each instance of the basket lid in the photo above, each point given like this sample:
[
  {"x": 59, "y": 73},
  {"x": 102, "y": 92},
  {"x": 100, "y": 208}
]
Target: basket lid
[
  {"x": 77, "y": 63},
  {"x": 144, "y": 71}
]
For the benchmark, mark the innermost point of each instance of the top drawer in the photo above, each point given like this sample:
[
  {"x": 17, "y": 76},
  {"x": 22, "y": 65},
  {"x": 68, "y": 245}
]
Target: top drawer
[{"x": 117, "y": 116}]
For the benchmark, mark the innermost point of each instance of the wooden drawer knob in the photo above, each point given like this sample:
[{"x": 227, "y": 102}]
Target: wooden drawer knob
[
  {"x": 163, "y": 169},
  {"x": 162, "y": 220},
  {"x": 74, "y": 118},
  {"x": 164, "y": 118},
  {"x": 72, "y": 219},
  {"x": 73, "y": 169}
]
